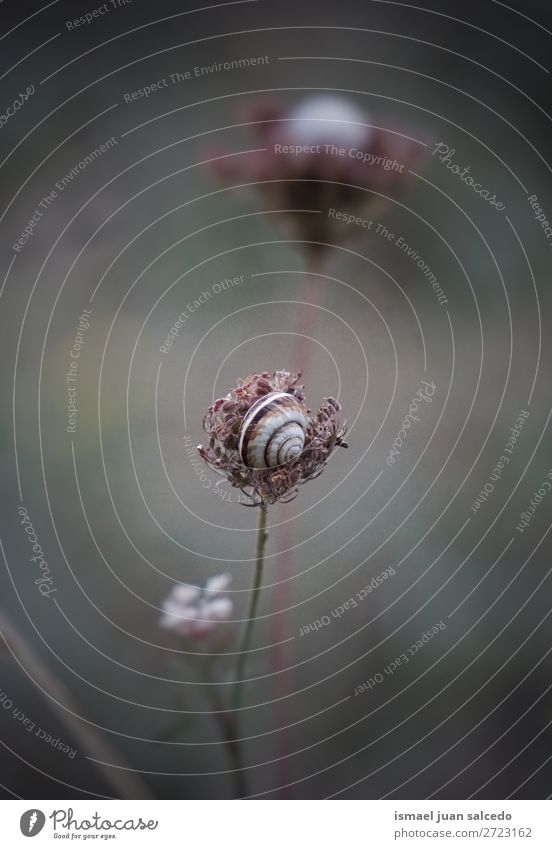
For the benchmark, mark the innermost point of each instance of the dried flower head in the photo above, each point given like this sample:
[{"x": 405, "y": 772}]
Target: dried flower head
[
  {"x": 322, "y": 153},
  {"x": 192, "y": 611},
  {"x": 263, "y": 439}
]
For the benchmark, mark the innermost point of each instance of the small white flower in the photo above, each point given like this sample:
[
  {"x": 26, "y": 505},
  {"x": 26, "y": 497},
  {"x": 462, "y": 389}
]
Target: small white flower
[{"x": 192, "y": 611}]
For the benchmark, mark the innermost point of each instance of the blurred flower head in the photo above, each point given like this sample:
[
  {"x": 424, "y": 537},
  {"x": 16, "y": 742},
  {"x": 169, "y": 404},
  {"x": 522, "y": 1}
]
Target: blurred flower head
[
  {"x": 192, "y": 611},
  {"x": 265, "y": 415},
  {"x": 322, "y": 153}
]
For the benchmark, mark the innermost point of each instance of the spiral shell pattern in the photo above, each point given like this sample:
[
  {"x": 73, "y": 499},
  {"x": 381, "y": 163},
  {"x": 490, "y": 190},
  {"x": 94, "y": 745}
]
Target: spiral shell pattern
[{"x": 273, "y": 431}]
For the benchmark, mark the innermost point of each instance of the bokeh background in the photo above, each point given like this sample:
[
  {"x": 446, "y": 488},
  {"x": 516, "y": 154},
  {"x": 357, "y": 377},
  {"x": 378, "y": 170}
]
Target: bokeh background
[{"x": 118, "y": 506}]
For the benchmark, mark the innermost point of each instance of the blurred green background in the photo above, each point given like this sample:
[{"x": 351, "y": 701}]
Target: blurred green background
[{"x": 153, "y": 229}]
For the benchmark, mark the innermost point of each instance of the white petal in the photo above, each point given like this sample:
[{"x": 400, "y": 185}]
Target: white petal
[
  {"x": 174, "y": 608},
  {"x": 184, "y": 593},
  {"x": 218, "y": 583},
  {"x": 219, "y": 609}
]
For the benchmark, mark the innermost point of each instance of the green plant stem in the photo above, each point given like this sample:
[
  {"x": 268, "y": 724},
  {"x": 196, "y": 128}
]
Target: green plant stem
[
  {"x": 228, "y": 718},
  {"x": 246, "y": 638},
  {"x": 227, "y": 721}
]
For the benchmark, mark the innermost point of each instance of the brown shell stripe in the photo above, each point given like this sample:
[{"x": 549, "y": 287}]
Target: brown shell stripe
[
  {"x": 276, "y": 432},
  {"x": 256, "y": 413}
]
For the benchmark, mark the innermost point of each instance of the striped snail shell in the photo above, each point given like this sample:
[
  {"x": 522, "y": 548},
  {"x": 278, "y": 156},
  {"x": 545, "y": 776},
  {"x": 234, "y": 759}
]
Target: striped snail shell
[{"x": 273, "y": 431}]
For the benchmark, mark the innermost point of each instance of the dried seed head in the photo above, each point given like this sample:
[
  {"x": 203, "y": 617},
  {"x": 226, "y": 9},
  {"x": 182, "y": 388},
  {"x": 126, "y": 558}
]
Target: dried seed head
[{"x": 227, "y": 417}]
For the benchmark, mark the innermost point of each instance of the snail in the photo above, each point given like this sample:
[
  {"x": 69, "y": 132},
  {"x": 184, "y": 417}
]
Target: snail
[{"x": 273, "y": 431}]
